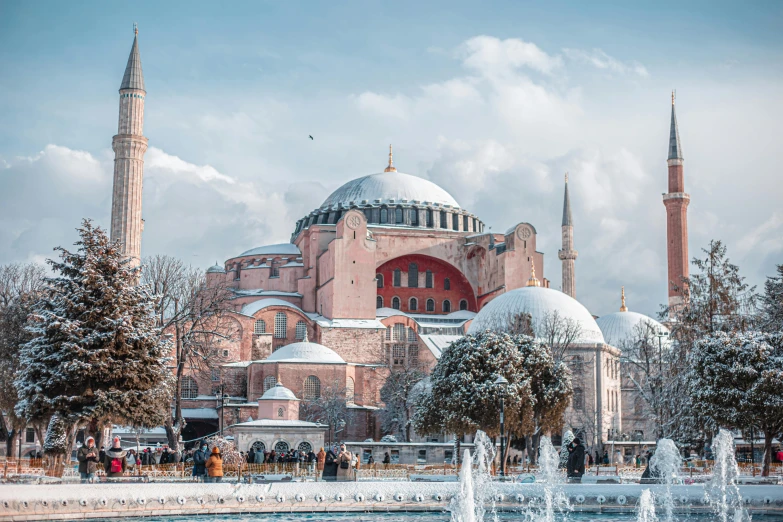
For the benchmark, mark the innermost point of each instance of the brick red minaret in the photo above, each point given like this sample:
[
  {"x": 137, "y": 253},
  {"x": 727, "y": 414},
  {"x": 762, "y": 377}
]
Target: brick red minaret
[{"x": 676, "y": 202}]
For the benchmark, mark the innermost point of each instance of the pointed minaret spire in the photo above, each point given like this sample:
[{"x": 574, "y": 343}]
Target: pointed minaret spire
[
  {"x": 391, "y": 167},
  {"x": 676, "y": 202},
  {"x": 623, "y": 308},
  {"x": 129, "y": 147},
  {"x": 567, "y": 254}
]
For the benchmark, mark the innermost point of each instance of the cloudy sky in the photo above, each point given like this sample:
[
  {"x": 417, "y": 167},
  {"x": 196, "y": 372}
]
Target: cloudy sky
[{"x": 494, "y": 101}]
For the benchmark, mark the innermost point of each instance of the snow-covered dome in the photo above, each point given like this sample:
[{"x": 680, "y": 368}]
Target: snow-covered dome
[
  {"x": 389, "y": 187},
  {"x": 278, "y": 392},
  {"x": 620, "y": 327},
  {"x": 305, "y": 352},
  {"x": 216, "y": 269},
  {"x": 287, "y": 249},
  {"x": 540, "y": 303}
]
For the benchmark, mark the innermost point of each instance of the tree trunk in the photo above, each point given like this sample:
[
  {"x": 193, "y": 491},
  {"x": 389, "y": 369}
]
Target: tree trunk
[
  {"x": 9, "y": 442},
  {"x": 767, "y": 453}
]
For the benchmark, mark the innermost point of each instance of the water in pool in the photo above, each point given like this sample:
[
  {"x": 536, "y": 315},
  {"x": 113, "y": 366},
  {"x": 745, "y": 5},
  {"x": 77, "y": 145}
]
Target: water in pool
[{"x": 420, "y": 517}]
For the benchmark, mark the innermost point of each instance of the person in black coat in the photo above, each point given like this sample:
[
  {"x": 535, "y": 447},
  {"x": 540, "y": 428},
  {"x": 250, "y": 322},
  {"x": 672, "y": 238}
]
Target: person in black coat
[
  {"x": 575, "y": 465},
  {"x": 330, "y": 466}
]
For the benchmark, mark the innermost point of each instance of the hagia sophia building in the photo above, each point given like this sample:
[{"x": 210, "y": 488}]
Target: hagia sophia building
[{"x": 384, "y": 275}]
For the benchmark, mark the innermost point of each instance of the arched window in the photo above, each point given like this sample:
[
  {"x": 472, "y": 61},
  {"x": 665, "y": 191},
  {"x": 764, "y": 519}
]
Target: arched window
[
  {"x": 304, "y": 448},
  {"x": 384, "y": 215},
  {"x": 463, "y": 304},
  {"x": 397, "y": 279},
  {"x": 413, "y": 304},
  {"x": 275, "y": 272},
  {"x": 281, "y": 325},
  {"x": 280, "y": 413},
  {"x": 269, "y": 382},
  {"x": 578, "y": 399},
  {"x": 379, "y": 302},
  {"x": 281, "y": 447},
  {"x": 428, "y": 279},
  {"x": 398, "y": 217},
  {"x": 259, "y": 327},
  {"x": 379, "y": 280},
  {"x": 414, "y": 217},
  {"x": 447, "y": 284},
  {"x": 399, "y": 332},
  {"x": 413, "y": 275},
  {"x": 349, "y": 389},
  {"x": 430, "y": 218},
  {"x": 638, "y": 406},
  {"x": 430, "y": 305},
  {"x": 312, "y": 388},
  {"x": 396, "y": 303},
  {"x": 189, "y": 387},
  {"x": 412, "y": 338},
  {"x": 301, "y": 330},
  {"x": 443, "y": 221},
  {"x": 259, "y": 446},
  {"x": 447, "y": 306}
]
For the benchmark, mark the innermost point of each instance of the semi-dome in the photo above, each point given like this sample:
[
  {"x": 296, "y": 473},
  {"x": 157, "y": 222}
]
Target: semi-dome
[
  {"x": 278, "y": 392},
  {"x": 389, "y": 187},
  {"x": 621, "y": 328},
  {"x": 541, "y": 303},
  {"x": 305, "y": 352}
]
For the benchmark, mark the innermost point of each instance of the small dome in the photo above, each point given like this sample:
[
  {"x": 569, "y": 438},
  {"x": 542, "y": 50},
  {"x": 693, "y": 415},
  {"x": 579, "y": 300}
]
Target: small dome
[
  {"x": 388, "y": 186},
  {"x": 216, "y": 269},
  {"x": 621, "y": 327},
  {"x": 278, "y": 392},
  {"x": 540, "y": 303},
  {"x": 305, "y": 352}
]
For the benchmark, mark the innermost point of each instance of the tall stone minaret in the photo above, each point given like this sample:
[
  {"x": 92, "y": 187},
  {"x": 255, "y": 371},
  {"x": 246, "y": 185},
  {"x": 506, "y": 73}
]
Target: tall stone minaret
[
  {"x": 676, "y": 202},
  {"x": 567, "y": 254},
  {"x": 129, "y": 147}
]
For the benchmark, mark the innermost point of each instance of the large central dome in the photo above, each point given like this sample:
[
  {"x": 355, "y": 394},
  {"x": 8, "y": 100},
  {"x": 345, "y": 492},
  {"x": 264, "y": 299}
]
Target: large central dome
[{"x": 389, "y": 187}]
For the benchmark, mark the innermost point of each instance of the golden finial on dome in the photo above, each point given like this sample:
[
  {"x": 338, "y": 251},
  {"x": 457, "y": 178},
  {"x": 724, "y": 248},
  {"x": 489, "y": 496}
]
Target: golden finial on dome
[
  {"x": 306, "y": 339},
  {"x": 623, "y": 308},
  {"x": 533, "y": 281},
  {"x": 391, "y": 167}
]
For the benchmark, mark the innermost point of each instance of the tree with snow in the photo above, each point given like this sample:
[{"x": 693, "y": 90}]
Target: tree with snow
[
  {"x": 568, "y": 438},
  {"x": 20, "y": 286},
  {"x": 771, "y": 317},
  {"x": 398, "y": 394},
  {"x": 96, "y": 351},
  {"x": 199, "y": 317},
  {"x": 463, "y": 396},
  {"x": 330, "y": 407},
  {"x": 736, "y": 382}
]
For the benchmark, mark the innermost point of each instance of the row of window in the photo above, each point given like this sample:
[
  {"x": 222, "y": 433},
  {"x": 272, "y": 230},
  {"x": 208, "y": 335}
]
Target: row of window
[
  {"x": 613, "y": 368},
  {"x": 281, "y": 327},
  {"x": 396, "y": 216},
  {"x": 282, "y": 447},
  {"x": 413, "y": 304},
  {"x": 273, "y": 272},
  {"x": 399, "y": 354},
  {"x": 130, "y": 95},
  {"x": 413, "y": 278},
  {"x": 312, "y": 387}
]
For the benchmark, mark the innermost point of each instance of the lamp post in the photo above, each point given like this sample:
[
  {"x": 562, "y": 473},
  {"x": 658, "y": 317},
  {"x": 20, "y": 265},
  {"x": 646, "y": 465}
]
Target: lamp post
[
  {"x": 220, "y": 398},
  {"x": 502, "y": 384}
]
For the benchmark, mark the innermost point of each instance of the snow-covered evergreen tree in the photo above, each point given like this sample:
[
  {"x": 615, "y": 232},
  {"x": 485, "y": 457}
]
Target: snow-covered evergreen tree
[
  {"x": 737, "y": 382},
  {"x": 464, "y": 398},
  {"x": 772, "y": 303},
  {"x": 96, "y": 352},
  {"x": 568, "y": 438}
]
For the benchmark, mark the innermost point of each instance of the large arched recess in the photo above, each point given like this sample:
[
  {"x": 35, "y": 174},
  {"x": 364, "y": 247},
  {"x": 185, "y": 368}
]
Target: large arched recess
[{"x": 460, "y": 288}]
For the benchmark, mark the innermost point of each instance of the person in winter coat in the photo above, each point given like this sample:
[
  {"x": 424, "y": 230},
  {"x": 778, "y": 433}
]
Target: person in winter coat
[
  {"x": 251, "y": 456},
  {"x": 344, "y": 469},
  {"x": 115, "y": 463},
  {"x": 371, "y": 462},
  {"x": 575, "y": 466},
  {"x": 200, "y": 462},
  {"x": 215, "y": 466},
  {"x": 102, "y": 455},
  {"x": 386, "y": 460},
  {"x": 320, "y": 460},
  {"x": 605, "y": 458},
  {"x": 330, "y": 466},
  {"x": 131, "y": 459},
  {"x": 88, "y": 460}
]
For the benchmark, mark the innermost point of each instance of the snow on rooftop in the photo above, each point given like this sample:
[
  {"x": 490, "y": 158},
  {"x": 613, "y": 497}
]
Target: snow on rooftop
[
  {"x": 280, "y": 423},
  {"x": 251, "y": 308},
  {"x": 199, "y": 413},
  {"x": 348, "y": 323},
  {"x": 280, "y": 248},
  {"x": 438, "y": 343},
  {"x": 305, "y": 352}
]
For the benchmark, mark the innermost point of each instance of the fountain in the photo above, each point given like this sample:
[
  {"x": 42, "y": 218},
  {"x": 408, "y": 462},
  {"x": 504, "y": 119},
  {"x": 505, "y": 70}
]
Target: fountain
[
  {"x": 646, "y": 507},
  {"x": 723, "y": 491},
  {"x": 476, "y": 488},
  {"x": 555, "y": 499},
  {"x": 665, "y": 465}
]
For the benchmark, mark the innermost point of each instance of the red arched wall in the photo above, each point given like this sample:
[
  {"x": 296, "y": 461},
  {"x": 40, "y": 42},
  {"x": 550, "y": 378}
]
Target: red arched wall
[{"x": 460, "y": 288}]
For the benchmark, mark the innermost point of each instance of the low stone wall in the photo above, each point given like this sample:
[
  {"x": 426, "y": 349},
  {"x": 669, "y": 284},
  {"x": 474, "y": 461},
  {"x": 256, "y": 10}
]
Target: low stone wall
[{"x": 84, "y": 501}]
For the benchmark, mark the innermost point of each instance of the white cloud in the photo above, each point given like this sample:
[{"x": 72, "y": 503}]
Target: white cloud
[
  {"x": 600, "y": 60},
  {"x": 492, "y": 56}
]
